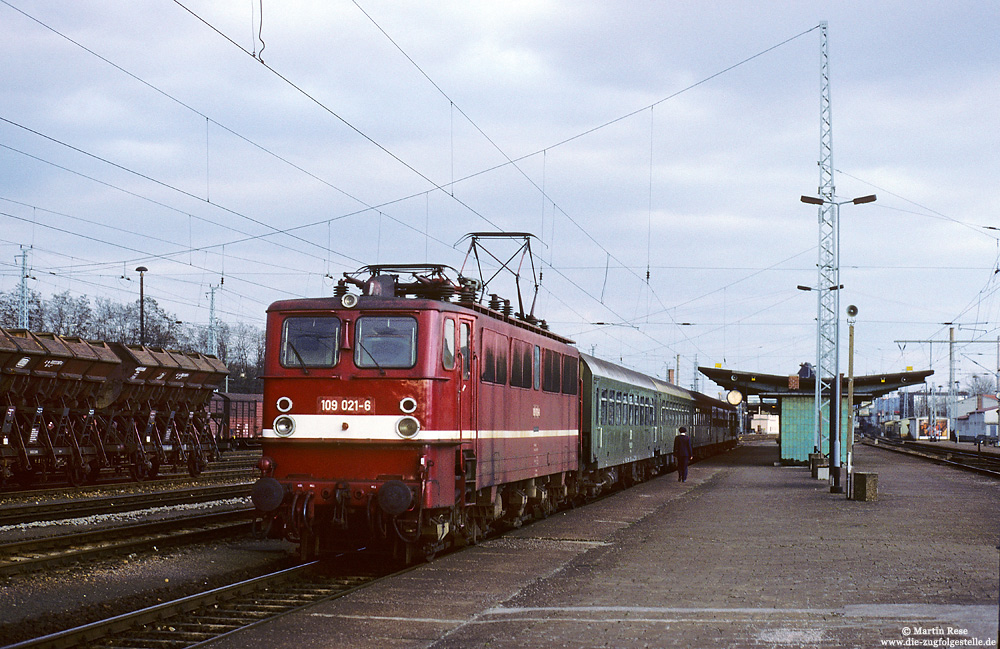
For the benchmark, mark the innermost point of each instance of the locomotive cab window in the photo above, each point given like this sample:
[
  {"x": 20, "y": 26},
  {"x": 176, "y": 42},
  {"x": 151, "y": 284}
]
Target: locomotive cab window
[
  {"x": 448, "y": 345},
  {"x": 386, "y": 341},
  {"x": 310, "y": 342}
]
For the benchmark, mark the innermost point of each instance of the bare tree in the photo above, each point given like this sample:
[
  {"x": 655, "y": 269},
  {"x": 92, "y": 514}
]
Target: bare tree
[
  {"x": 113, "y": 321},
  {"x": 981, "y": 385},
  {"x": 10, "y": 309},
  {"x": 67, "y": 316}
]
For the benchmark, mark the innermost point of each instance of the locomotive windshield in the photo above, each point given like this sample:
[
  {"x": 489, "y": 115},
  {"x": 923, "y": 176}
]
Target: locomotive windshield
[
  {"x": 386, "y": 342},
  {"x": 310, "y": 342}
]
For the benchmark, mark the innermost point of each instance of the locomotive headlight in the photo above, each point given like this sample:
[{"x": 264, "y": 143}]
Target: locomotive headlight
[
  {"x": 284, "y": 426},
  {"x": 407, "y": 427},
  {"x": 284, "y": 404},
  {"x": 408, "y": 404}
]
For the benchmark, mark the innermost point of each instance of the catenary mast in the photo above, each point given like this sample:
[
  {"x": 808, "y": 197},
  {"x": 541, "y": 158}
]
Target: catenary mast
[{"x": 828, "y": 282}]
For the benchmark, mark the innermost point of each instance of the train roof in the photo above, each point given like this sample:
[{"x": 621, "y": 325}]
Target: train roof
[{"x": 605, "y": 369}]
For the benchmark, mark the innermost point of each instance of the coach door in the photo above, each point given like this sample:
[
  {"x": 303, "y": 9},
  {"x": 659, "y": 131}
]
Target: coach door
[{"x": 467, "y": 386}]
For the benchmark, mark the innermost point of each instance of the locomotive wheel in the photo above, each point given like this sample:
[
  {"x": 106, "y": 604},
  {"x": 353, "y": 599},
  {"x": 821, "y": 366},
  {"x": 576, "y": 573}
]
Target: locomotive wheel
[
  {"x": 308, "y": 546},
  {"x": 260, "y": 528}
]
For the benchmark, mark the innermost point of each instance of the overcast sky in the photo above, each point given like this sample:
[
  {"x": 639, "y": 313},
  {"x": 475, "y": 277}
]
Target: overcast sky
[{"x": 277, "y": 145}]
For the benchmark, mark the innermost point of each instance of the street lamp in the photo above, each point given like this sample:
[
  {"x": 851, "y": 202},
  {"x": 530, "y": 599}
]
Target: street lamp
[
  {"x": 142, "y": 306},
  {"x": 835, "y": 386}
]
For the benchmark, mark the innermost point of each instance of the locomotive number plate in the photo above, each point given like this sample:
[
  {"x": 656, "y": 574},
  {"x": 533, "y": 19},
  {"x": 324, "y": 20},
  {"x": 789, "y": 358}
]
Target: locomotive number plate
[{"x": 343, "y": 405}]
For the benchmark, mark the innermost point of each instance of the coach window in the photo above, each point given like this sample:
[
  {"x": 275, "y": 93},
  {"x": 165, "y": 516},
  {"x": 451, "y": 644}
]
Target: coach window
[
  {"x": 310, "y": 342},
  {"x": 448, "y": 345},
  {"x": 386, "y": 341},
  {"x": 604, "y": 407}
]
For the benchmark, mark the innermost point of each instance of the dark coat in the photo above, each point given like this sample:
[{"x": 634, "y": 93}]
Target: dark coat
[{"x": 682, "y": 449}]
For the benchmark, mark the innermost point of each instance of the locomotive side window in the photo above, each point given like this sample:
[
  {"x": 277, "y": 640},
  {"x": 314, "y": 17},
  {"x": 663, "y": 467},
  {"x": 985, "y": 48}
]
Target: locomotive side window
[
  {"x": 501, "y": 359},
  {"x": 570, "y": 381},
  {"x": 551, "y": 380},
  {"x": 494, "y": 365},
  {"x": 516, "y": 373},
  {"x": 520, "y": 365},
  {"x": 448, "y": 345},
  {"x": 310, "y": 342},
  {"x": 537, "y": 365},
  {"x": 386, "y": 342}
]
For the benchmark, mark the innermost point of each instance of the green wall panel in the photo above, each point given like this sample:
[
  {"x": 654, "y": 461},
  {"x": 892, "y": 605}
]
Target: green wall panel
[{"x": 798, "y": 429}]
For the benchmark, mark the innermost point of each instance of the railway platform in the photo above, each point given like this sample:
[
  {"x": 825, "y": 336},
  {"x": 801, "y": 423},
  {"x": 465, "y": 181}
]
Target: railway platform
[{"x": 744, "y": 554}]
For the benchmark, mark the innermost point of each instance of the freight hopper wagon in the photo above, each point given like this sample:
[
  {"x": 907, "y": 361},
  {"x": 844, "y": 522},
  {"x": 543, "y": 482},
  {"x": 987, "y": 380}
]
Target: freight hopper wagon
[
  {"x": 75, "y": 407},
  {"x": 413, "y": 418}
]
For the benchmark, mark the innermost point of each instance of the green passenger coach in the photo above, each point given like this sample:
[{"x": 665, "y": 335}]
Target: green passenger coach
[{"x": 630, "y": 418}]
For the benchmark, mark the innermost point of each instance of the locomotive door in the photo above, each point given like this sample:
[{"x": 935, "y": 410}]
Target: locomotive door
[{"x": 467, "y": 389}]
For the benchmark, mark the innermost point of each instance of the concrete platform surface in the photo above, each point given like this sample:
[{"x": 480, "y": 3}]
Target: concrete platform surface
[{"x": 744, "y": 554}]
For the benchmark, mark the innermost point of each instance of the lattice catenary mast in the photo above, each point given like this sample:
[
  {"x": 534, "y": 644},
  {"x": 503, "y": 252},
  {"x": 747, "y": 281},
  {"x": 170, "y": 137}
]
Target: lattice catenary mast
[{"x": 828, "y": 300}]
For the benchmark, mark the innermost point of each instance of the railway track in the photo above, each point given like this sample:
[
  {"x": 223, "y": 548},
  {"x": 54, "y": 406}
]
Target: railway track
[
  {"x": 982, "y": 463},
  {"x": 39, "y": 553},
  {"x": 241, "y": 465},
  {"x": 192, "y": 620},
  {"x": 22, "y": 513},
  {"x": 158, "y": 484}
]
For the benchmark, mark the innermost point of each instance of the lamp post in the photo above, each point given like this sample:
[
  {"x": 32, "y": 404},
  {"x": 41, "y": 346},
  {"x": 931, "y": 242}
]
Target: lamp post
[
  {"x": 835, "y": 387},
  {"x": 852, "y": 314},
  {"x": 142, "y": 305}
]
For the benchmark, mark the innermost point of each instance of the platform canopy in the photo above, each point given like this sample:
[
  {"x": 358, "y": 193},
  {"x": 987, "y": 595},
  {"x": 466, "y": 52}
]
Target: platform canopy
[{"x": 866, "y": 388}]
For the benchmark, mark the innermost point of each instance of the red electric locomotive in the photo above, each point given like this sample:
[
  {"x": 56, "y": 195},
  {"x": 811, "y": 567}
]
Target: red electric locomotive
[{"x": 412, "y": 417}]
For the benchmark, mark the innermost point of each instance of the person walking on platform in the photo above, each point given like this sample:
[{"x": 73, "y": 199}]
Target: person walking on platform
[{"x": 683, "y": 453}]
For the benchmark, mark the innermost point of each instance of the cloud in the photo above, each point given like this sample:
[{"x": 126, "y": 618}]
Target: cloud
[{"x": 377, "y": 160}]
